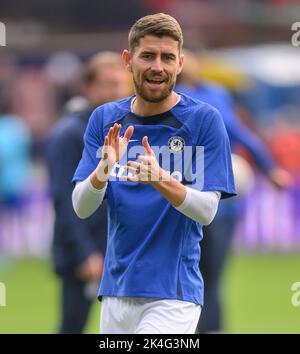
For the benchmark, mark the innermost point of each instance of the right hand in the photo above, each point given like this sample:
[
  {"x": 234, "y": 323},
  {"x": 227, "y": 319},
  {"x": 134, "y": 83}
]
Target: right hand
[
  {"x": 115, "y": 146},
  {"x": 112, "y": 151}
]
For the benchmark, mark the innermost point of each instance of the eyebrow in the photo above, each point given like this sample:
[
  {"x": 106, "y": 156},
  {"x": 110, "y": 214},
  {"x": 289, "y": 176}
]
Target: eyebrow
[
  {"x": 147, "y": 52},
  {"x": 152, "y": 52}
]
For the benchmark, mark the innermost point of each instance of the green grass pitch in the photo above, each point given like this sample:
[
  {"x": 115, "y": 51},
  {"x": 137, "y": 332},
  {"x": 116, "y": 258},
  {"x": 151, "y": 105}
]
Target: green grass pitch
[{"x": 256, "y": 294}]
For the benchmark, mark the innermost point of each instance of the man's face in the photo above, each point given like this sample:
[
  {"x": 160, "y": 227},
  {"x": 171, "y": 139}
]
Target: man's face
[
  {"x": 155, "y": 64},
  {"x": 112, "y": 84}
]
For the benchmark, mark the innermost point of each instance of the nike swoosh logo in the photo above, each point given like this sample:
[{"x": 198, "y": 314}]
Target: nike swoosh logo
[{"x": 130, "y": 141}]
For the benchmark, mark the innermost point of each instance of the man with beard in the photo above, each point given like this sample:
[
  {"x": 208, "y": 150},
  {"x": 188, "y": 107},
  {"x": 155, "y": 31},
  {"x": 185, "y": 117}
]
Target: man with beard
[{"x": 151, "y": 281}]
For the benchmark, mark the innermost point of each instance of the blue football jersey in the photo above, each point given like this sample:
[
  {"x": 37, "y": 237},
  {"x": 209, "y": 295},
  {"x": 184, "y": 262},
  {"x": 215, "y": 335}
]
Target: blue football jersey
[{"x": 153, "y": 250}]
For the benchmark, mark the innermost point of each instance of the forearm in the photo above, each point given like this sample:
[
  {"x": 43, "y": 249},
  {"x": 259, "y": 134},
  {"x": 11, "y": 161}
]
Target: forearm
[
  {"x": 86, "y": 198},
  {"x": 171, "y": 189},
  {"x": 197, "y": 205},
  {"x": 200, "y": 206}
]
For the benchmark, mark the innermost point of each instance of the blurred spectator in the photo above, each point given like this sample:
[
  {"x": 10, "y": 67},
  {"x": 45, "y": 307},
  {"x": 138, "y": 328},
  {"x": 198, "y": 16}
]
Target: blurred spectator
[
  {"x": 79, "y": 245},
  {"x": 63, "y": 69},
  {"x": 217, "y": 236},
  {"x": 14, "y": 170}
]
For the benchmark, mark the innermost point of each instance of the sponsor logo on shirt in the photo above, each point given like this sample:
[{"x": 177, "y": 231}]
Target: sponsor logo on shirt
[{"x": 183, "y": 162}]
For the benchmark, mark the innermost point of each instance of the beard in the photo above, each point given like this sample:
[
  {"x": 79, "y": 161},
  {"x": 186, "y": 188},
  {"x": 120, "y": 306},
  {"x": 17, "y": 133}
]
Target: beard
[{"x": 153, "y": 96}]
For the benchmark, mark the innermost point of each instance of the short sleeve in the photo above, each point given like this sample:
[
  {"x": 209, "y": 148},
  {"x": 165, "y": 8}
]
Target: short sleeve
[
  {"x": 218, "y": 175},
  {"x": 93, "y": 141}
]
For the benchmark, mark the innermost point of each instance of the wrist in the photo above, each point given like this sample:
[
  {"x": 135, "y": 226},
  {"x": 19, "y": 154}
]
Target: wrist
[
  {"x": 96, "y": 183},
  {"x": 103, "y": 171},
  {"x": 100, "y": 176},
  {"x": 171, "y": 189},
  {"x": 164, "y": 177}
]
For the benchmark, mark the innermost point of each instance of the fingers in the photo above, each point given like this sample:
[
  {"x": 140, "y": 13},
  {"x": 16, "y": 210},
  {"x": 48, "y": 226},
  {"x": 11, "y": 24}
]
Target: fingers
[
  {"x": 117, "y": 128},
  {"x": 133, "y": 167},
  {"x": 106, "y": 141},
  {"x": 113, "y": 133},
  {"x": 135, "y": 170},
  {"x": 105, "y": 155},
  {"x": 130, "y": 178},
  {"x": 139, "y": 172},
  {"x": 133, "y": 164},
  {"x": 128, "y": 133},
  {"x": 146, "y": 145},
  {"x": 132, "y": 170},
  {"x": 145, "y": 159}
]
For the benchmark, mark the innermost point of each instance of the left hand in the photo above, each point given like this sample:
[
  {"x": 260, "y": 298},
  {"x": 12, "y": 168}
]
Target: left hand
[{"x": 148, "y": 170}]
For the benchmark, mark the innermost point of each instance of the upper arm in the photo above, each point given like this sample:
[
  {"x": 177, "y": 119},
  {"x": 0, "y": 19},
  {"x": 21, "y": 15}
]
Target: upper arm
[{"x": 93, "y": 141}]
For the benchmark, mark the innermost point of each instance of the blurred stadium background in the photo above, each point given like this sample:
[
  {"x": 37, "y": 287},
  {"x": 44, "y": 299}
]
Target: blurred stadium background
[{"x": 246, "y": 46}]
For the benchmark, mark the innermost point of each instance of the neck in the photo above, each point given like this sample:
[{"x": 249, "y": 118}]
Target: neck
[{"x": 144, "y": 108}]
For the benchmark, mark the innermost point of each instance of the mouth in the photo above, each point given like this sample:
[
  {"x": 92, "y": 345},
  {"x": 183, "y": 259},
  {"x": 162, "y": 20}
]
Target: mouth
[{"x": 155, "y": 83}]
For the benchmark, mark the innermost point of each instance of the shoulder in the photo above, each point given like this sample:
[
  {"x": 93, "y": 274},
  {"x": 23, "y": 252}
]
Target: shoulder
[
  {"x": 198, "y": 117},
  {"x": 110, "y": 112},
  {"x": 194, "y": 111}
]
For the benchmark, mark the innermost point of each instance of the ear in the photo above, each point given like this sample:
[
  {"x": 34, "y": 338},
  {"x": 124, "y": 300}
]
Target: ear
[
  {"x": 127, "y": 59},
  {"x": 181, "y": 61}
]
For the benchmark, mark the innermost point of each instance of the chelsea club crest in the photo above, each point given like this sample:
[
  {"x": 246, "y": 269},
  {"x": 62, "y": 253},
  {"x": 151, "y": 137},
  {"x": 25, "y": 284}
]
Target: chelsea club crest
[{"x": 176, "y": 144}]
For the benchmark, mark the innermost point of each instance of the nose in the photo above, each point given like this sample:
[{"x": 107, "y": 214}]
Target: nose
[{"x": 157, "y": 65}]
